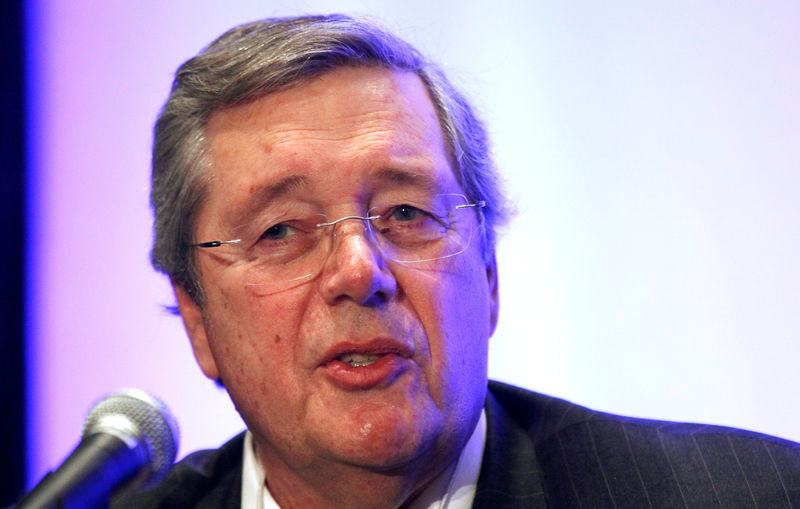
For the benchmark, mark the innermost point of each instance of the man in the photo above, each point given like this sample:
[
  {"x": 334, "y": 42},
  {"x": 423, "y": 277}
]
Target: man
[{"x": 326, "y": 208}]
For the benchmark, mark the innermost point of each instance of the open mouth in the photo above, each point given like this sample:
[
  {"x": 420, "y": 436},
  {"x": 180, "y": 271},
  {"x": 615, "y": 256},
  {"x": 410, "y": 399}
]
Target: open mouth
[
  {"x": 354, "y": 369},
  {"x": 358, "y": 360},
  {"x": 366, "y": 364}
]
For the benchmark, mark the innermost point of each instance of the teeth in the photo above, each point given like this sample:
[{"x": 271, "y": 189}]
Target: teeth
[{"x": 358, "y": 360}]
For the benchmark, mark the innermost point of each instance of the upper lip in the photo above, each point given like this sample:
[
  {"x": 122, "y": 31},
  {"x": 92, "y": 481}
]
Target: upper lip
[{"x": 376, "y": 346}]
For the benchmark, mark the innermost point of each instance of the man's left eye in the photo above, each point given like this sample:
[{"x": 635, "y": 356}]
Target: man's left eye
[{"x": 405, "y": 213}]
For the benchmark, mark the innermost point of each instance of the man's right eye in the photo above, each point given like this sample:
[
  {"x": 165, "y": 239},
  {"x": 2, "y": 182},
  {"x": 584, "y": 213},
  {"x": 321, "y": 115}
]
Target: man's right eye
[{"x": 277, "y": 232}]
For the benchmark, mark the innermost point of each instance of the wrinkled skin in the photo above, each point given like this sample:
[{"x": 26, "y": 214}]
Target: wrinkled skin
[{"x": 325, "y": 432}]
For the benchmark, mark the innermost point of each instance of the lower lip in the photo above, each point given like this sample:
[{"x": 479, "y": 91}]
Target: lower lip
[{"x": 380, "y": 373}]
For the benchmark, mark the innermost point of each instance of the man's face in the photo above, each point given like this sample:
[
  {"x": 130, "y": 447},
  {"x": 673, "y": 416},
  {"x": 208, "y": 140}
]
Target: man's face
[{"x": 338, "y": 144}]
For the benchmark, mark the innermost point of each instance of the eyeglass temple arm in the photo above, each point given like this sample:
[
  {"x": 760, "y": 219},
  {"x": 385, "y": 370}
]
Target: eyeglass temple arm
[
  {"x": 215, "y": 243},
  {"x": 479, "y": 204}
]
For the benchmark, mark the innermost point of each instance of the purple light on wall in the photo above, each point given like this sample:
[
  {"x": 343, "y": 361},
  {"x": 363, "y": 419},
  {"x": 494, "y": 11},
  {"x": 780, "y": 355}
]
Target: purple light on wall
[
  {"x": 96, "y": 317},
  {"x": 653, "y": 267}
]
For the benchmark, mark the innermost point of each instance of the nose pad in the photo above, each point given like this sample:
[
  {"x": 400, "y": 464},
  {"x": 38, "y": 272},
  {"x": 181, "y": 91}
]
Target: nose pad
[{"x": 355, "y": 267}]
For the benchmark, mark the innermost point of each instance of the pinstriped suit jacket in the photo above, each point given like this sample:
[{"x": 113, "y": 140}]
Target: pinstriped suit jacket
[{"x": 545, "y": 452}]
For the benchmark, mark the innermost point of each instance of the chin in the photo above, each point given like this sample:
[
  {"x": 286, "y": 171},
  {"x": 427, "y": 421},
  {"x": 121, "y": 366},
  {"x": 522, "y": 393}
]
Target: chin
[
  {"x": 384, "y": 444},
  {"x": 387, "y": 459}
]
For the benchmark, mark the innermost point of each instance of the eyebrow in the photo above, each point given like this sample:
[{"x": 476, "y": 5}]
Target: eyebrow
[
  {"x": 292, "y": 183},
  {"x": 263, "y": 196},
  {"x": 408, "y": 178}
]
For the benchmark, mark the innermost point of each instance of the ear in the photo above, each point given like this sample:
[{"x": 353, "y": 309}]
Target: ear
[
  {"x": 196, "y": 330},
  {"x": 494, "y": 295}
]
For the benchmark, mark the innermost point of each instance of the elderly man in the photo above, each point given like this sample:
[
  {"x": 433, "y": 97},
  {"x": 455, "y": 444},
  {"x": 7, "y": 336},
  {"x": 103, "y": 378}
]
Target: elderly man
[{"x": 325, "y": 207}]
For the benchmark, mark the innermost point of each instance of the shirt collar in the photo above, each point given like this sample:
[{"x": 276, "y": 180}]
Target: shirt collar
[{"x": 452, "y": 489}]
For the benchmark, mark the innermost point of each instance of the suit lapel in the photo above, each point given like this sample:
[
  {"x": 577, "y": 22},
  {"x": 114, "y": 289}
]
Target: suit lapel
[{"x": 510, "y": 474}]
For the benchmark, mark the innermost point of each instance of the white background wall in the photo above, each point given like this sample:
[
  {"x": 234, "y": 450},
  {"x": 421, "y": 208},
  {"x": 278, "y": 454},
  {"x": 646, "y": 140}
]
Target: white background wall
[{"x": 652, "y": 148}]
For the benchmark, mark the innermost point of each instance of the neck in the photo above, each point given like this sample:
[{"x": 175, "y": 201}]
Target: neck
[{"x": 343, "y": 485}]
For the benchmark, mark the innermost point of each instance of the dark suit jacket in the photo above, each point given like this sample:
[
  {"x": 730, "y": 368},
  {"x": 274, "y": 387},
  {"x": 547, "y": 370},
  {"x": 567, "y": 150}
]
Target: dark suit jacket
[{"x": 545, "y": 452}]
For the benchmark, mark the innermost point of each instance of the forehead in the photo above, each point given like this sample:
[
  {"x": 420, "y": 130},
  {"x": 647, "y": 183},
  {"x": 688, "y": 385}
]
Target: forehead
[{"x": 356, "y": 127}]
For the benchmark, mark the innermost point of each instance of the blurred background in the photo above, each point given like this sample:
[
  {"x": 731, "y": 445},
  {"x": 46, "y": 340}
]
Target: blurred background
[{"x": 651, "y": 148}]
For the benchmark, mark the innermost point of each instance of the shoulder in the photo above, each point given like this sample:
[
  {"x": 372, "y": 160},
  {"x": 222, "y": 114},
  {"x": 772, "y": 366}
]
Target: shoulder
[
  {"x": 536, "y": 414},
  {"x": 598, "y": 459},
  {"x": 204, "y": 479}
]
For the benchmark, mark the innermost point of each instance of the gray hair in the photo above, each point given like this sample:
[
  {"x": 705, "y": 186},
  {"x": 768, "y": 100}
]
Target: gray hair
[{"x": 255, "y": 59}]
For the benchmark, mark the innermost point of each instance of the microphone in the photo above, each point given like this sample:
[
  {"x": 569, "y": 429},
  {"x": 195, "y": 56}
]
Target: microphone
[{"x": 129, "y": 440}]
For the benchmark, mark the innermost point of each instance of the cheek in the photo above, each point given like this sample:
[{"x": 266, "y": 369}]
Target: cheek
[
  {"x": 455, "y": 313},
  {"x": 253, "y": 338},
  {"x": 460, "y": 301}
]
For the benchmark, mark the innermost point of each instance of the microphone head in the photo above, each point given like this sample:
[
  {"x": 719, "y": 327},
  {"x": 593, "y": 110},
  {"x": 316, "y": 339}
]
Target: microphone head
[{"x": 138, "y": 418}]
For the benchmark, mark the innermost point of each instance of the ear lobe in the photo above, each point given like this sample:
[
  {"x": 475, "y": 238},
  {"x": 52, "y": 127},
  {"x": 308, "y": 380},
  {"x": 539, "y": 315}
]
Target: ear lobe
[
  {"x": 196, "y": 330},
  {"x": 494, "y": 295}
]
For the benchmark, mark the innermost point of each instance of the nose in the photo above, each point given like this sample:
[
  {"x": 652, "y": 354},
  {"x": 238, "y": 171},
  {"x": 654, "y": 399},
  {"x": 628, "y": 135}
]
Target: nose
[{"x": 355, "y": 268}]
